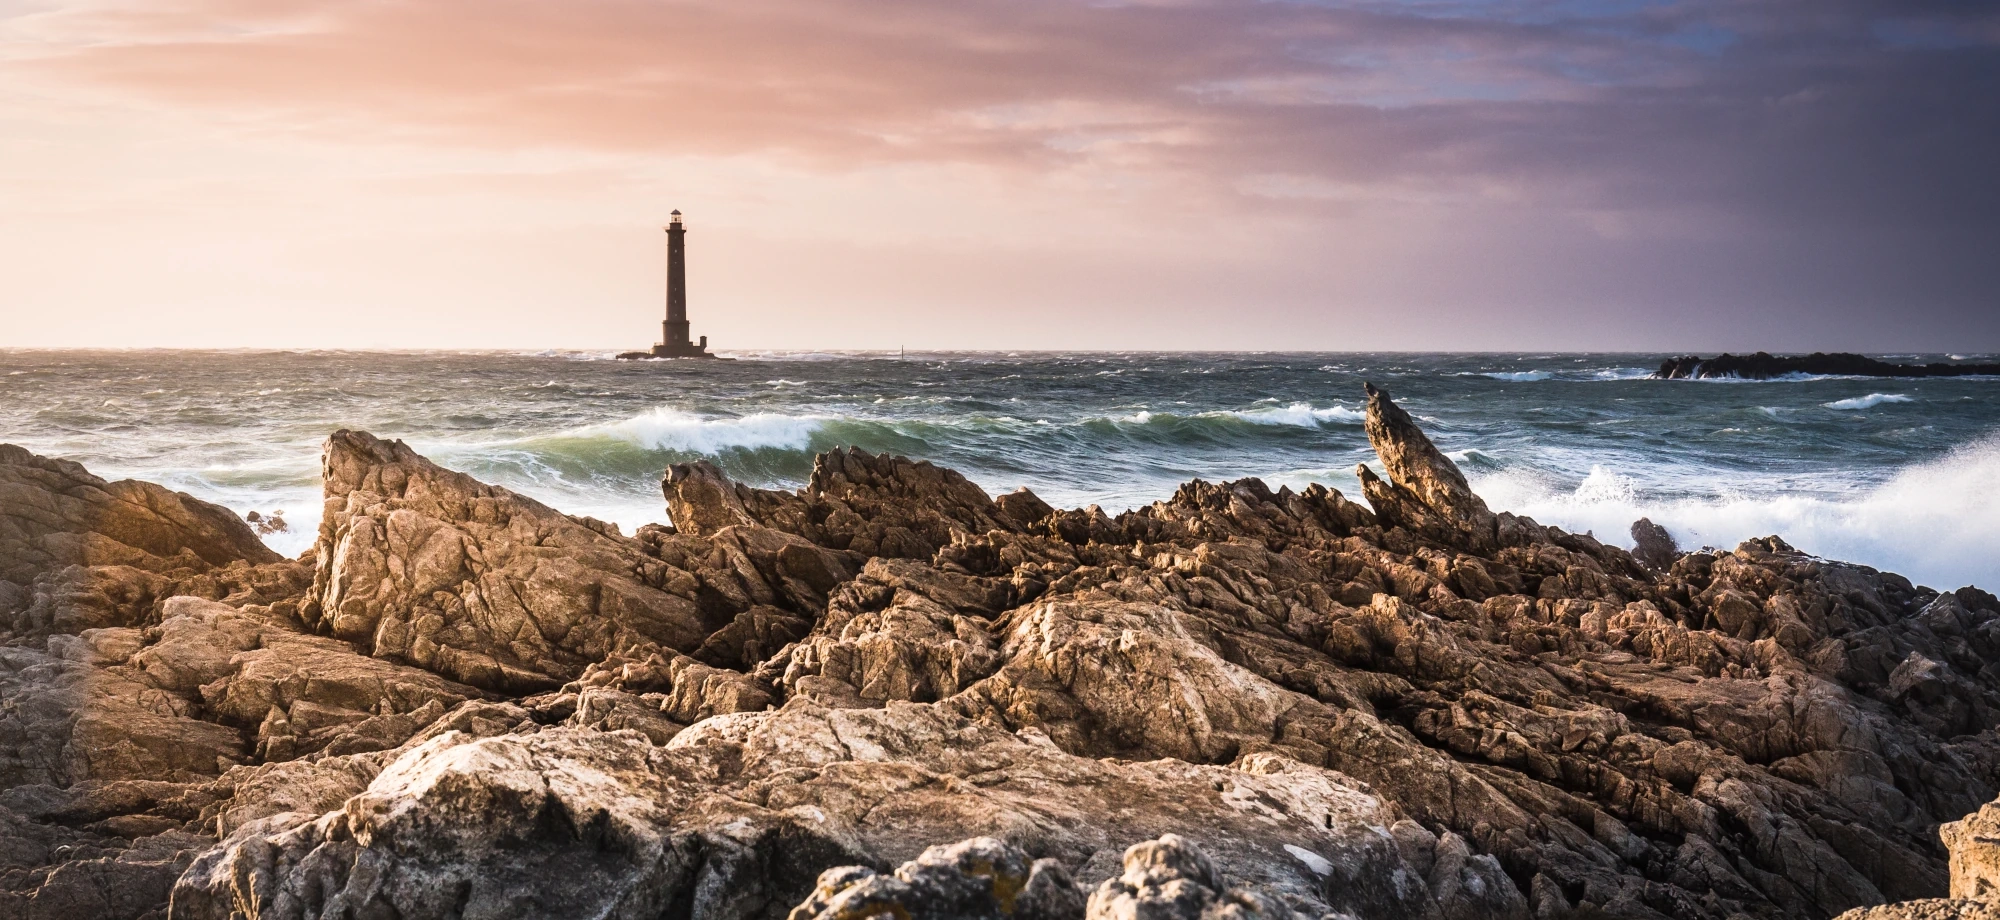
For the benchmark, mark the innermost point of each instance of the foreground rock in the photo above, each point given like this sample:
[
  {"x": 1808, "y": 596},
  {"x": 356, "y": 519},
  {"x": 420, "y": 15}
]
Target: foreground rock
[
  {"x": 77, "y": 551},
  {"x": 889, "y": 689},
  {"x": 101, "y": 760},
  {"x": 1974, "y": 843},
  {"x": 1764, "y": 366},
  {"x": 743, "y": 813}
]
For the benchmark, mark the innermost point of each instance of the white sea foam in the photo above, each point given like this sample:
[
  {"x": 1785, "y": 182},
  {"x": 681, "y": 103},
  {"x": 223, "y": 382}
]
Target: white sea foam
[
  {"x": 1519, "y": 376},
  {"x": 1935, "y": 522},
  {"x": 1299, "y": 414},
  {"x": 666, "y": 428},
  {"x": 1867, "y": 402},
  {"x": 807, "y": 356}
]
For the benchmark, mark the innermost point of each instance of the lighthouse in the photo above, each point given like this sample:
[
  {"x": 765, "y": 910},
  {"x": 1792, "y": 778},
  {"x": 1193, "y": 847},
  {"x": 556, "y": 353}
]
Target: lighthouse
[{"x": 674, "y": 340}]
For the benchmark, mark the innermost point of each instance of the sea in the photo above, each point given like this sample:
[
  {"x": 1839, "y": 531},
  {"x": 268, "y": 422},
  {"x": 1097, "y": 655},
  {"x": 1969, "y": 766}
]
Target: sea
[{"x": 1903, "y": 475}]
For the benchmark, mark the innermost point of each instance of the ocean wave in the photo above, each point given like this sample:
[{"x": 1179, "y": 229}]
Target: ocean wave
[
  {"x": 667, "y": 428},
  {"x": 1298, "y": 414},
  {"x": 1867, "y": 402},
  {"x": 1294, "y": 415},
  {"x": 1517, "y": 376},
  {"x": 1934, "y": 522}
]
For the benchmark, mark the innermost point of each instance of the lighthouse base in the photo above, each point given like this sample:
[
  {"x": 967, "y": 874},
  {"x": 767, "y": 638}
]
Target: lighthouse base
[{"x": 671, "y": 350}]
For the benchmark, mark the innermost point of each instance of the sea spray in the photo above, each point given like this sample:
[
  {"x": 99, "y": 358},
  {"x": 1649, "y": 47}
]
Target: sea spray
[{"x": 1935, "y": 522}]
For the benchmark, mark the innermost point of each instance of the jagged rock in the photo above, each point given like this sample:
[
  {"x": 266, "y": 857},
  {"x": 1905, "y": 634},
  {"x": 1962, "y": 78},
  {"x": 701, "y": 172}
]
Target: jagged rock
[
  {"x": 700, "y": 500},
  {"x": 1653, "y": 546},
  {"x": 855, "y": 501},
  {"x": 77, "y": 552},
  {"x": 480, "y": 584},
  {"x": 899, "y": 632},
  {"x": 54, "y": 513},
  {"x": 1927, "y": 909},
  {"x": 82, "y": 875},
  {"x": 1974, "y": 842},
  {"x": 1425, "y": 492}
]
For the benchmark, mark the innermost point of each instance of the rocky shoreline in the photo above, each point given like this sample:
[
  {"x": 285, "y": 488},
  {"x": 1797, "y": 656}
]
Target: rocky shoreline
[
  {"x": 1764, "y": 366},
  {"x": 889, "y": 694}
]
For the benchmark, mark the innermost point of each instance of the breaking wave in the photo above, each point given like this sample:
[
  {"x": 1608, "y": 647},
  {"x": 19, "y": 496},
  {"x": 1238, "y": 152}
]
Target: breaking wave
[
  {"x": 672, "y": 429},
  {"x": 1867, "y": 402},
  {"x": 1299, "y": 414}
]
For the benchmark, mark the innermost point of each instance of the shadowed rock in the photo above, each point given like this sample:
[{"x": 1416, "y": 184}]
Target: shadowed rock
[
  {"x": 977, "y": 879},
  {"x": 1974, "y": 843},
  {"x": 1653, "y": 546},
  {"x": 1764, "y": 366}
]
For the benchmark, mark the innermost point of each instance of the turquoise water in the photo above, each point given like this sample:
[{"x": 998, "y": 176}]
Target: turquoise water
[{"x": 1894, "y": 473}]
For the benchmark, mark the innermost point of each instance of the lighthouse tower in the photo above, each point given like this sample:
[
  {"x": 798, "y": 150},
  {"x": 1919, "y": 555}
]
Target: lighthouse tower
[{"x": 674, "y": 342}]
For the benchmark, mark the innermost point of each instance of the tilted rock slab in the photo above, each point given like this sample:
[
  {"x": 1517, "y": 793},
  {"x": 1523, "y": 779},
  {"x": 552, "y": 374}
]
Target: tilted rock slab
[
  {"x": 479, "y": 584},
  {"x": 54, "y": 513},
  {"x": 77, "y": 551}
]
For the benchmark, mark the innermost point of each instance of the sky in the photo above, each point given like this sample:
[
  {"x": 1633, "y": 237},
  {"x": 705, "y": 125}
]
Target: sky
[{"x": 1699, "y": 176}]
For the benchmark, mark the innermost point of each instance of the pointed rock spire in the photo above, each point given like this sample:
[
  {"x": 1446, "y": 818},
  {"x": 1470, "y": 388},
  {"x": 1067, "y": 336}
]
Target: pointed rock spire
[{"x": 1425, "y": 493}]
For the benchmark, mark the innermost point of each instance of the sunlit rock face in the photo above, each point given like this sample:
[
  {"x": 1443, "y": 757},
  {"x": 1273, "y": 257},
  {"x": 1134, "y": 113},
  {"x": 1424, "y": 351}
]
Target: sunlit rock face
[{"x": 888, "y": 693}]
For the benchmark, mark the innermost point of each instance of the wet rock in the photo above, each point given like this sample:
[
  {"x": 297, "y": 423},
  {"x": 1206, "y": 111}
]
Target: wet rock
[{"x": 1653, "y": 545}]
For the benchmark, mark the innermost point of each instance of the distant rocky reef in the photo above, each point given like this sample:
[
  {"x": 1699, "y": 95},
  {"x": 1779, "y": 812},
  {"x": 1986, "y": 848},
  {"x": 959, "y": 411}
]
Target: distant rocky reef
[
  {"x": 1764, "y": 366},
  {"x": 888, "y": 694}
]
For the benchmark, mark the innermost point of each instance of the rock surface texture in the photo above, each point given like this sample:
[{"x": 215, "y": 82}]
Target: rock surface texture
[
  {"x": 888, "y": 694},
  {"x": 1975, "y": 875}
]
